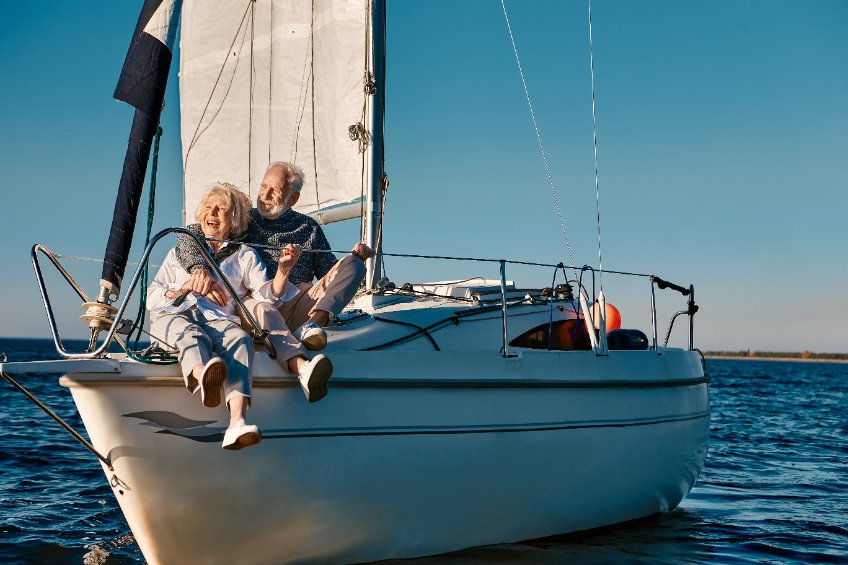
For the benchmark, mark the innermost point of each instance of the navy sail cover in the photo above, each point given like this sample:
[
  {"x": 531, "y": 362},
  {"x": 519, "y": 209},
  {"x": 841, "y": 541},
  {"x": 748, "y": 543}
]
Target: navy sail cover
[
  {"x": 142, "y": 85},
  {"x": 145, "y": 73}
]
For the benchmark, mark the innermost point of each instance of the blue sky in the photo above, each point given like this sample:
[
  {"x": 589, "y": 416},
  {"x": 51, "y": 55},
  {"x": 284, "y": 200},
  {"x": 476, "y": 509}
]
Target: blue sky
[{"x": 723, "y": 149}]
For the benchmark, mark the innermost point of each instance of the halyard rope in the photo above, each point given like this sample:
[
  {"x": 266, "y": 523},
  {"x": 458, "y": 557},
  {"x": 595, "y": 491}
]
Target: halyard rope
[
  {"x": 252, "y": 74},
  {"x": 198, "y": 132},
  {"x": 538, "y": 136},
  {"x": 595, "y": 140},
  {"x": 312, "y": 77},
  {"x": 270, "y": 81},
  {"x": 138, "y": 325}
]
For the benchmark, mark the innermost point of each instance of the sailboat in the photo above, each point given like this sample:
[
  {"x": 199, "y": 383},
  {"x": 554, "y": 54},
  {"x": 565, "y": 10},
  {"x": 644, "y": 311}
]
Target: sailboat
[{"x": 462, "y": 413}]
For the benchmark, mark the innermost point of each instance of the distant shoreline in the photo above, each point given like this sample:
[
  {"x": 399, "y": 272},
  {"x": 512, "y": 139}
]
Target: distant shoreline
[
  {"x": 798, "y": 359},
  {"x": 779, "y": 356}
]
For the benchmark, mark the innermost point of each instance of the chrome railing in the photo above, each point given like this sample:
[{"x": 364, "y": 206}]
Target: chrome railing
[
  {"x": 656, "y": 282},
  {"x": 100, "y": 351},
  {"x": 262, "y": 334}
]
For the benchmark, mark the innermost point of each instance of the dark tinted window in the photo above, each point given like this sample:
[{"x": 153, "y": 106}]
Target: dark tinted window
[{"x": 565, "y": 335}]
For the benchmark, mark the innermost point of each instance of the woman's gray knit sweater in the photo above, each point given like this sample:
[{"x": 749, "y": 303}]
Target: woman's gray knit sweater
[{"x": 291, "y": 227}]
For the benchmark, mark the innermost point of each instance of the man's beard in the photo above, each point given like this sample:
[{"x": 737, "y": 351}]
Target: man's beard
[{"x": 272, "y": 211}]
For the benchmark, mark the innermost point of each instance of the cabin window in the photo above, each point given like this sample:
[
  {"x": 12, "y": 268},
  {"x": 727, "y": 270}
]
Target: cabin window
[{"x": 565, "y": 335}]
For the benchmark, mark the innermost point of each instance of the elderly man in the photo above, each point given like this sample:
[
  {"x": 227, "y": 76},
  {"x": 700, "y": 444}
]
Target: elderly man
[{"x": 274, "y": 223}]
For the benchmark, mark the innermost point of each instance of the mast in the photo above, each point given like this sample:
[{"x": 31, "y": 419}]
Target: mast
[{"x": 374, "y": 195}]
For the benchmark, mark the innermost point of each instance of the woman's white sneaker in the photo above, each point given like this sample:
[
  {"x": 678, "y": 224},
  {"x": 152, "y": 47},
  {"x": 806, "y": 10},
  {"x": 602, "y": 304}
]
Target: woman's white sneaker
[
  {"x": 313, "y": 377},
  {"x": 211, "y": 381},
  {"x": 241, "y": 435}
]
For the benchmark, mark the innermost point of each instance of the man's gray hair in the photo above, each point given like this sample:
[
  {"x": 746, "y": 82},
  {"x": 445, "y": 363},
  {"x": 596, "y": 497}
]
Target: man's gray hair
[{"x": 291, "y": 172}]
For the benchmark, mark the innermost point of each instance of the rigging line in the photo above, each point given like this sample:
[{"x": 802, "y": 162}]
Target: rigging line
[
  {"x": 362, "y": 181},
  {"x": 223, "y": 99},
  {"x": 595, "y": 140},
  {"x": 406, "y": 291},
  {"x": 151, "y": 212},
  {"x": 538, "y": 137},
  {"x": 270, "y": 79},
  {"x": 379, "y": 242},
  {"x": 250, "y": 76},
  {"x": 447, "y": 257},
  {"x": 384, "y": 183},
  {"x": 147, "y": 355},
  {"x": 59, "y": 420},
  {"x": 366, "y": 78},
  {"x": 362, "y": 199},
  {"x": 161, "y": 341},
  {"x": 551, "y": 317},
  {"x": 420, "y": 331},
  {"x": 463, "y": 280},
  {"x": 93, "y": 260},
  {"x": 197, "y": 132},
  {"x": 306, "y": 77},
  {"x": 510, "y": 261},
  {"x": 312, "y": 74},
  {"x": 465, "y": 315}
]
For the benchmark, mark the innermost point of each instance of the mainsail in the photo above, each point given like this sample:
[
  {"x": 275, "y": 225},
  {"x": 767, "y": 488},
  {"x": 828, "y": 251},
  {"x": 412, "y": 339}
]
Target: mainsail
[{"x": 277, "y": 80}]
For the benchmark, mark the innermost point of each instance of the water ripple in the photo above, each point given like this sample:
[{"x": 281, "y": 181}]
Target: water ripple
[{"x": 773, "y": 488}]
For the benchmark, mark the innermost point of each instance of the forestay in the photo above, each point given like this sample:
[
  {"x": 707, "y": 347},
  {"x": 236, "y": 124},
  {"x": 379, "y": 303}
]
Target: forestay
[{"x": 271, "y": 80}]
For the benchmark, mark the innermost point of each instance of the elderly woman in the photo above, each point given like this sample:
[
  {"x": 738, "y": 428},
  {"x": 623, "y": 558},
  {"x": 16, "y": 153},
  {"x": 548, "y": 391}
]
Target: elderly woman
[{"x": 214, "y": 351}]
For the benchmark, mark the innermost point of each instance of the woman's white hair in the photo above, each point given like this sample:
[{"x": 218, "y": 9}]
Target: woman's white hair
[
  {"x": 238, "y": 202},
  {"x": 291, "y": 172}
]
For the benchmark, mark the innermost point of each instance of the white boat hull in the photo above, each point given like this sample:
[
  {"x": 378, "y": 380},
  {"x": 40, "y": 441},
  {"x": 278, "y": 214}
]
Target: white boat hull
[{"x": 402, "y": 462}]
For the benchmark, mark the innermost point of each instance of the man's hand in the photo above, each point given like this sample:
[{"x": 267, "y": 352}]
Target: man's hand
[
  {"x": 204, "y": 284},
  {"x": 362, "y": 252},
  {"x": 288, "y": 257}
]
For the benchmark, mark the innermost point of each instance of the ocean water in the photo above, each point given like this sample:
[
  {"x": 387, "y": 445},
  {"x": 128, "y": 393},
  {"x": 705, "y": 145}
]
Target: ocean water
[{"x": 774, "y": 489}]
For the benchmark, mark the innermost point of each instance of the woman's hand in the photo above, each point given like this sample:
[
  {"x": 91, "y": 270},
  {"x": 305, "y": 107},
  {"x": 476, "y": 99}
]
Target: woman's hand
[
  {"x": 288, "y": 257},
  {"x": 204, "y": 284}
]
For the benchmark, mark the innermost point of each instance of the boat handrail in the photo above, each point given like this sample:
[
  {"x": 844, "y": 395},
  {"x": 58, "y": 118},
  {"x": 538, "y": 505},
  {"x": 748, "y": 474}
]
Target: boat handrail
[
  {"x": 691, "y": 309},
  {"x": 656, "y": 282},
  {"x": 258, "y": 332},
  {"x": 504, "y": 316},
  {"x": 54, "y": 258}
]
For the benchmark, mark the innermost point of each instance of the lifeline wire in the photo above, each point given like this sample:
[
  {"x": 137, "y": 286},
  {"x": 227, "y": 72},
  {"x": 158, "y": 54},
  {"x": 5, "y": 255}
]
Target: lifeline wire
[
  {"x": 94, "y": 260},
  {"x": 448, "y": 257},
  {"x": 406, "y": 255},
  {"x": 595, "y": 140},
  {"x": 538, "y": 137}
]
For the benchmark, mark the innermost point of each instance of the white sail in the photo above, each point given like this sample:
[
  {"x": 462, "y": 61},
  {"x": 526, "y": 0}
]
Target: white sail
[{"x": 275, "y": 80}]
